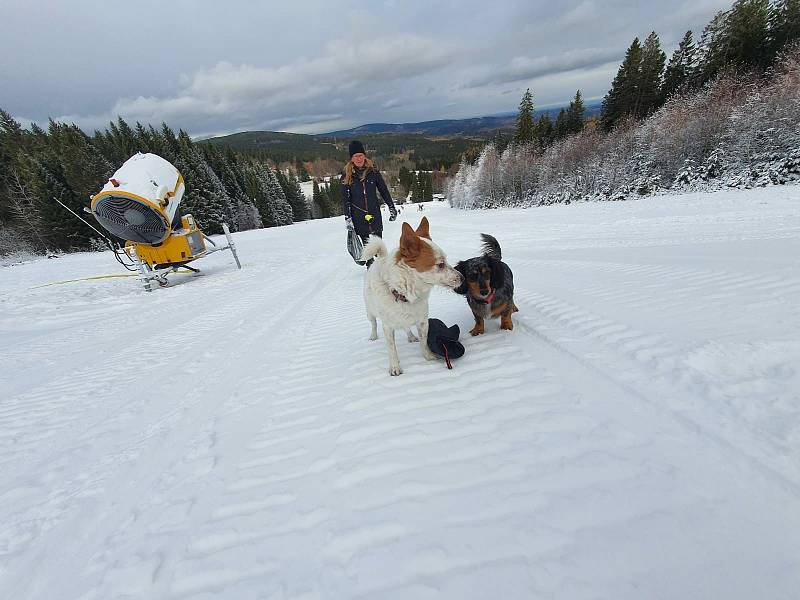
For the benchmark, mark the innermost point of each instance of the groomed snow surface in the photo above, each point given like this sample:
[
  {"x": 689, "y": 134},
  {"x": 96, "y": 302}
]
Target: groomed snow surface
[{"x": 637, "y": 436}]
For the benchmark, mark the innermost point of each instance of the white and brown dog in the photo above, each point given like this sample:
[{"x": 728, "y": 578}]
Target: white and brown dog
[{"x": 397, "y": 287}]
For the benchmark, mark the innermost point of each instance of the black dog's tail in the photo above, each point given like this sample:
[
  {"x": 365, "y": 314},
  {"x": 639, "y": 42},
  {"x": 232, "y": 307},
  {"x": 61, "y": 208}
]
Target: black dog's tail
[{"x": 491, "y": 247}]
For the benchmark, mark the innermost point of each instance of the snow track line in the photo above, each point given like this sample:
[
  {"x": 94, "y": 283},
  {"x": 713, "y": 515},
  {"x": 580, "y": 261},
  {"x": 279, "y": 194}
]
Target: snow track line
[
  {"x": 123, "y": 368},
  {"x": 51, "y": 554},
  {"x": 528, "y": 301}
]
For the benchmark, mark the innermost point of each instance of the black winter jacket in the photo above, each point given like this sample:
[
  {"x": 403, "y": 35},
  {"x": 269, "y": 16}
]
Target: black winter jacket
[{"x": 360, "y": 199}]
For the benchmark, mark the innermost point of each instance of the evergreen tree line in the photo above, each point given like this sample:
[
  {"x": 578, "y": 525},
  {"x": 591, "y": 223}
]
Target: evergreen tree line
[
  {"x": 748, "y": 36},
  {"x": 723, "y": 111},
  {"x": 37, "y": 166},
  {"x": 544, "y": 131},
  {"x": 419, "y": 183},
  {"x": 327, "y": 198}
]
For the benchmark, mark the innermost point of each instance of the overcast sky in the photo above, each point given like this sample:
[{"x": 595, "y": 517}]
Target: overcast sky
[{"x": 309, "y": 66}]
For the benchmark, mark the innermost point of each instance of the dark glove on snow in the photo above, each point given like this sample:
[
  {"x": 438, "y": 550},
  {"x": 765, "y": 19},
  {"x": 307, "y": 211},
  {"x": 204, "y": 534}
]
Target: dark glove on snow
[{"x": 392, "y": 213}]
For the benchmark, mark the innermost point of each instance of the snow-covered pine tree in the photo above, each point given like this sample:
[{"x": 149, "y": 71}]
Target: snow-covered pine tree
[
  {"x": 301, "y": 210},
  {"x": 487, "y": 179},
  {"x": 268, "y": 197},
  {"x": 43, "y": 170},
  {"x": 302, "y": 172},
  {"x": 738, "y": 37},
  {"x": 687, "y": 174},
  {"x": 170, "y": 143},
  {"x": 575, "y": 114},
  {"x": 225, "y": 166},
  {"x": 620, "y": 101},
  {"x": 714, "y": 165},
  {"x": 205, "y": 196},
  {"x": 784, "y": 24},
  {"x": 142, "y": 138},
  {"x": 416, "y": 187},
  {"x": 85, "y": 169},
  {"x": 748, "y": 33},
  {"x": 21, "y": 213},
  {"x": 157, "y": 144},
  {"x": 680, "y": 69},
  {"x": 500, "y": 141},
  {"x": 709, "y": 59},
  {"x": 124, "y": 138},
  {"x": 319, "y": 201},
  {"x": 294, "y": 195},
  {"x": 525, "y": 127},
  {"x": 281, "y": 207},
  {"x": 256, "y": 191},
  {"x": 561, "y": 129},
  {"x": 403, "y": 176},
  {"x": 6, "y": 153},
  {"x": 334, "y": 196},
  {"x": 651, "y": 71},
  {"x": 427, "y": 187},
  {"x": 545, "y": 132}
]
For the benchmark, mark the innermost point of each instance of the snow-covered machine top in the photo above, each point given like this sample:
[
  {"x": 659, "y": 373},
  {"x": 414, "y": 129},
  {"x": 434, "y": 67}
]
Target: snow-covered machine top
[{"x": 140, "y": 201}]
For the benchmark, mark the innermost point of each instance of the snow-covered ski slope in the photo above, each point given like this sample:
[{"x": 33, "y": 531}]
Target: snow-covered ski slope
[{"x": 637, "y": 435}]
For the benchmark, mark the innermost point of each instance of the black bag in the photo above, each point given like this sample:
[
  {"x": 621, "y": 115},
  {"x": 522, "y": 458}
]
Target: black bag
[
  {"x": 355, "y": 246},
  {"x": 443, "y": 340}
]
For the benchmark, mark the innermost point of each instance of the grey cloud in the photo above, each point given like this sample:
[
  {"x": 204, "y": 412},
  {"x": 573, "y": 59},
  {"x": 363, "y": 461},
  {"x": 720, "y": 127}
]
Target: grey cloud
[
  {"x": 522, "y": 68},
  {"x": 226, "y": 88},
  {"x": 273, "y": 95}
]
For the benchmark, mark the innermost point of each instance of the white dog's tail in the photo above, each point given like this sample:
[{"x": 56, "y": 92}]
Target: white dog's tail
[{"x": 375, "y": 247}]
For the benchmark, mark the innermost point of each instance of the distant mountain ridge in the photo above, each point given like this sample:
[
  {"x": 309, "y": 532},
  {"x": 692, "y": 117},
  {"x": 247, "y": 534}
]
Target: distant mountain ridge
[
  {"x": 431, "y": 143},
  {"x": 443, "y": 127},
  {"x": 438, "y": 127}
]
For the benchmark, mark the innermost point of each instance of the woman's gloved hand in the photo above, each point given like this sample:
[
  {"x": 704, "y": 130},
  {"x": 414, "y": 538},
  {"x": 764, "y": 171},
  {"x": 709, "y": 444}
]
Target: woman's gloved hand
[{"x": 392, "y": 213}]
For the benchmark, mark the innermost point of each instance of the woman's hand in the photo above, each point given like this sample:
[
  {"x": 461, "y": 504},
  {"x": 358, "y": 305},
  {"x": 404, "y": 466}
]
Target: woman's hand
[{"x": 392, "y": 213}]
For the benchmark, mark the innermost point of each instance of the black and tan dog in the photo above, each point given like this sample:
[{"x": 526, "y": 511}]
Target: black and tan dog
[{"x": 488, "y": 286}]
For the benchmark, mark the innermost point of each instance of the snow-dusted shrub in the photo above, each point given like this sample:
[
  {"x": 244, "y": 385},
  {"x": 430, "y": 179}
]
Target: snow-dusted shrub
[
  {"x": 763, "y": 139},
  {"x": 14, "y": 246},
  {"x": 739, "y": 130}
]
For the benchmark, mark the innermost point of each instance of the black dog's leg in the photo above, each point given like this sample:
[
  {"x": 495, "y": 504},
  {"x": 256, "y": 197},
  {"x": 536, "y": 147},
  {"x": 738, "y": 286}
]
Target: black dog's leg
[
  {"x": 505, "y": 319},
  {"x": 478, "y": 329},
  {"x": 504, "y": 311}
]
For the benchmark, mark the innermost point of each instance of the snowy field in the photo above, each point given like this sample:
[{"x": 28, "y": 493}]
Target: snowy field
[{"x": 637, "y": 436}]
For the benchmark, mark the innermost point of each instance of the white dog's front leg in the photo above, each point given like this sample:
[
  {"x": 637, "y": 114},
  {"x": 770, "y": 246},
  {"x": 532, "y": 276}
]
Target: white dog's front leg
[
  {"x": 394, "y": 360},
  {"x": 422, "y": 328},
  {"x": 374, "y": 335}
]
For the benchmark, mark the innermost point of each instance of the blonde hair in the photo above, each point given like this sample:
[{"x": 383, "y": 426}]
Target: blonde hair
[{"x": 349, "y": 167}]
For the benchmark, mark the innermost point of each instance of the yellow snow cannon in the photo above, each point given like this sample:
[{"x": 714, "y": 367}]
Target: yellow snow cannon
[{"x": 139, "y": 204}]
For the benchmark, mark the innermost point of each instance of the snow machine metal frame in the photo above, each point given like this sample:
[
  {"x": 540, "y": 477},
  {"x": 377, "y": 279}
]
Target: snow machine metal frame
[{"x": 155, "y": 275}]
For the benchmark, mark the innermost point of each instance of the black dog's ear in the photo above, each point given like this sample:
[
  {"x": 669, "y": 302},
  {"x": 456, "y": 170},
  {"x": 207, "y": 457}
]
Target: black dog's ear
[
  {"x": 498, "y": 273},
  {"x": 462, "y": 289}
]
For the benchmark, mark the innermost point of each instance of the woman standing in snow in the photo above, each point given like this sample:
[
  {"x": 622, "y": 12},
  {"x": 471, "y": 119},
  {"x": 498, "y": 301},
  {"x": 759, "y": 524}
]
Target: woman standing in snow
[{"x": 361, "y": 184}]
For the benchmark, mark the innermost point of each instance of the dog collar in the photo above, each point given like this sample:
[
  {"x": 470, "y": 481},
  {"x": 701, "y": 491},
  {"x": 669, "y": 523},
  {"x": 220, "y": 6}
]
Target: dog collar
[{"x": 398, "y": 296}]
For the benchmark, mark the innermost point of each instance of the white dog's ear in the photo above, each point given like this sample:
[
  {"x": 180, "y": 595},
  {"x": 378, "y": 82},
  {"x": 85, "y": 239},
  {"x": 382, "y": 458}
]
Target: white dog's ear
[
  {"x": 424, "y": 229},
  {"x": 409, "y": 242}
]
